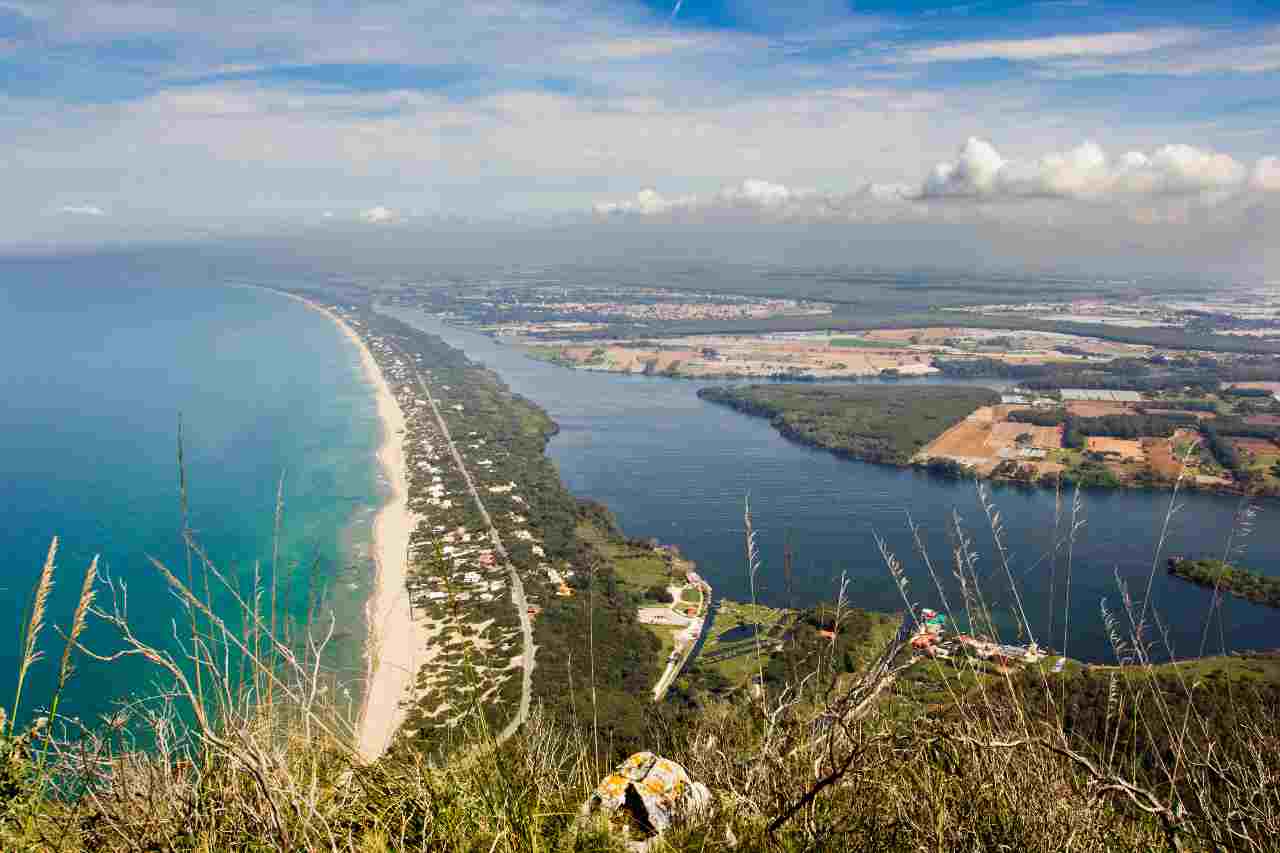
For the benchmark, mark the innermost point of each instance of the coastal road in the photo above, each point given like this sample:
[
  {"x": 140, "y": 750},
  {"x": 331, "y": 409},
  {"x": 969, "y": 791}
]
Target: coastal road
[
  {"x": 517, "y": 586},
  {"x": 675, "y": 668}
]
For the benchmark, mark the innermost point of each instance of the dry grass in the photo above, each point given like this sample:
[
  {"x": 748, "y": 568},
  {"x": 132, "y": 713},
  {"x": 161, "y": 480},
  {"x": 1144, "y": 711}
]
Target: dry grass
[{"x": 261, "y": 756}]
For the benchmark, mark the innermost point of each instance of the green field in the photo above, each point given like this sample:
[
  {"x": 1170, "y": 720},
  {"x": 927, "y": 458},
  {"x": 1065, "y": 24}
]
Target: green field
[
  {"x": 863, "y": 343},
  {"x": 637, "y": 567},
  {"x": 736, "y": 662}
]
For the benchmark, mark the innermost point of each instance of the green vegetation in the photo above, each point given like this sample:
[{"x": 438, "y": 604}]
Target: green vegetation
[
  {"x": 864, "y": 343},
  {"x": 1091, "y": 474},
  {"x": 949, "y": 468},
  {"x": 552, "y": 355},
  {"x": 874, "y": 423},
  {"x": 1224, "y": 452},
  {"x": 1243, "y": 583},
  {"x": 728, "y": 659}
]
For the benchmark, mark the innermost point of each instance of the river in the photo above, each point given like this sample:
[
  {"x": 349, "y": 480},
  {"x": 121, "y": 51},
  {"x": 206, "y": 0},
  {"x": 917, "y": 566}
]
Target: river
[{"x": 677, "y": 468}]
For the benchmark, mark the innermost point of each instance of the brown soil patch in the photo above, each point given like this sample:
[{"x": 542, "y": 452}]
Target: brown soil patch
[
  {"x": 1273, "y": 387},
  {"x": 967, "y": 439},
  {"x": 1097, "y": 408},
  {"x": 1160, "y": 457},
  {"x": 1202, "y": 416},
  {"x": 1256, "y": 446},
  {"x": 1050, "y": 438},
  {"x": 932, "y": 335},
  {"x": 1126, "y": 448}
]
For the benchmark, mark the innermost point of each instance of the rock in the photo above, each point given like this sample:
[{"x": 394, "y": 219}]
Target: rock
[{"x": 653, "y": 792}]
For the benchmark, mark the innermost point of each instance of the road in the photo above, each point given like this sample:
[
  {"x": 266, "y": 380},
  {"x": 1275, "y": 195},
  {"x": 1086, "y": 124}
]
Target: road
[
  {"x": 674, "y": 668},
  {"x": 517, "y": 586}
]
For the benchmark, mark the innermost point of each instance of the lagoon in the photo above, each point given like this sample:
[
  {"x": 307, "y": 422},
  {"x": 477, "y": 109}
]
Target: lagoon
[{"x": 677, "y": 468}]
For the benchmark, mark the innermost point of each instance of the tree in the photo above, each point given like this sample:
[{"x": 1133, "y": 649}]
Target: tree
[{"x": 659, "y": 593}]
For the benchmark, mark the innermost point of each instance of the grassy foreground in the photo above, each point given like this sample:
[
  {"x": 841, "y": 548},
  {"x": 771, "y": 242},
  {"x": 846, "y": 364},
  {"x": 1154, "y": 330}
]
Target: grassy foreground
[{"x": 246, "y": 751}]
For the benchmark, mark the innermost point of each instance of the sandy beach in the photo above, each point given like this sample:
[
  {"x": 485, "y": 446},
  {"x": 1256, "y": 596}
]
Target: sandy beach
[{"x": 397, "y": 645}]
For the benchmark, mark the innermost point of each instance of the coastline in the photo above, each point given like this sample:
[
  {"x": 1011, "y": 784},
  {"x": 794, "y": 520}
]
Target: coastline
[{"x": 396, "y": 645}]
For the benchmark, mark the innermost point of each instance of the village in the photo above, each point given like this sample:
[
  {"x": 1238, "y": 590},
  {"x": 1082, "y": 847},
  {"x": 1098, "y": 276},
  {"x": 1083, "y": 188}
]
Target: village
[
  {"x": 534, "y": 309},
  {"x": 930, "y": 639},
  {"x": 1247, "y": 312}
]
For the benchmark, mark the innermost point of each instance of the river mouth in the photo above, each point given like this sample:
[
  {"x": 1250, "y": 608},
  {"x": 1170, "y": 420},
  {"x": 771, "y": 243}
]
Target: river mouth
[{"x": 678, "y": 469}]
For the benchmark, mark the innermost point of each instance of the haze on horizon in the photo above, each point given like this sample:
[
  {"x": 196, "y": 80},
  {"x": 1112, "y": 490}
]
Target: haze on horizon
[{"x": 1066, "y": 134}]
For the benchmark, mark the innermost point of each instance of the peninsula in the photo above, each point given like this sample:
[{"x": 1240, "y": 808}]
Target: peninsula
[
  {"x": 1243, "y": 583},
  {"x": 887, "y": 424},
  {"x": 1088, "y": 437}
]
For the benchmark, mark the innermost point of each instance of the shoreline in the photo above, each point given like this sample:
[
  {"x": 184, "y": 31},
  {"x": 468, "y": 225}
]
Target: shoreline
[{"x": 396, "y": 644}]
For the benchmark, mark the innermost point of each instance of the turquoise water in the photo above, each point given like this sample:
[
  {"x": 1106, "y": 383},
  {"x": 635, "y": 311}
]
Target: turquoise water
[{"x": 98, "y": 363}]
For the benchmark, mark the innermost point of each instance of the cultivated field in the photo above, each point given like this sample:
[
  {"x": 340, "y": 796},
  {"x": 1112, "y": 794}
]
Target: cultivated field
[
  {"x": 1098, "y": 408},
  {"x": 1257, "y": 446},
  {"x": 1127, "y": 449},
  {"x": 1161, "y": 458},
  {"x": 985, "y": 439}
]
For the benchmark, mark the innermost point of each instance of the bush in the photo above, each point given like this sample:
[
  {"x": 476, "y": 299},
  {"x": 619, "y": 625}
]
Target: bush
[{"x": 660, "y": 594}]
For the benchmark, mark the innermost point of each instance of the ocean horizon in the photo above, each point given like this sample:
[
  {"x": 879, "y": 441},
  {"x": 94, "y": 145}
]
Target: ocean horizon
[{"x": 101, "y": 363}]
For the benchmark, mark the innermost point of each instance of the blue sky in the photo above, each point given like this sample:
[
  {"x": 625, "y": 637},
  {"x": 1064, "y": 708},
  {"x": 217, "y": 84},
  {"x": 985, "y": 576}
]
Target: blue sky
[{"x": 128, "y": 119}]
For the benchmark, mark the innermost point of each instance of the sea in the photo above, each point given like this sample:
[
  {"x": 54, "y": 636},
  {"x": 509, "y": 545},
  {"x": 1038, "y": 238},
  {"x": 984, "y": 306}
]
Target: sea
[
  {"x": 683, "y": 471},
  {"x": 100, "y": 363}
]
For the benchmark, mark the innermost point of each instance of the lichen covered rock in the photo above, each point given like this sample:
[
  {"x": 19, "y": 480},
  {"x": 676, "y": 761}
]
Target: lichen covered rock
[{"x": 653, "y": 792}]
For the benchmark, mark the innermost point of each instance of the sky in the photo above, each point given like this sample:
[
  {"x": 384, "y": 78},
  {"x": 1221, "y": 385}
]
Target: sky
[{"x": 1048, "y": 132}]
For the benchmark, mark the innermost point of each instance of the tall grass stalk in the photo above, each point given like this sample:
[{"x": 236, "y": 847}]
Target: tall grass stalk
[{"x": 32, "y": 626}]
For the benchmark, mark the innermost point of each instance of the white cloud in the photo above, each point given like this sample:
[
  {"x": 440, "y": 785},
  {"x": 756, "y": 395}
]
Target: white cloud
[
  {"x": 1172, "y": 184},
  {"x": 1083, "y": 172},
  {"x": 754, "y": 191},
  {"x": 1253, "y": 51},
  {"x": 1054, "y": 47},
  {"x": 647, "y": 202},
  {"x": 754, "y": 198},
  {"x": 379, "y": 215},
  {"x": 82, "y": 210},
  {"x": 1266, "y": 175}
]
